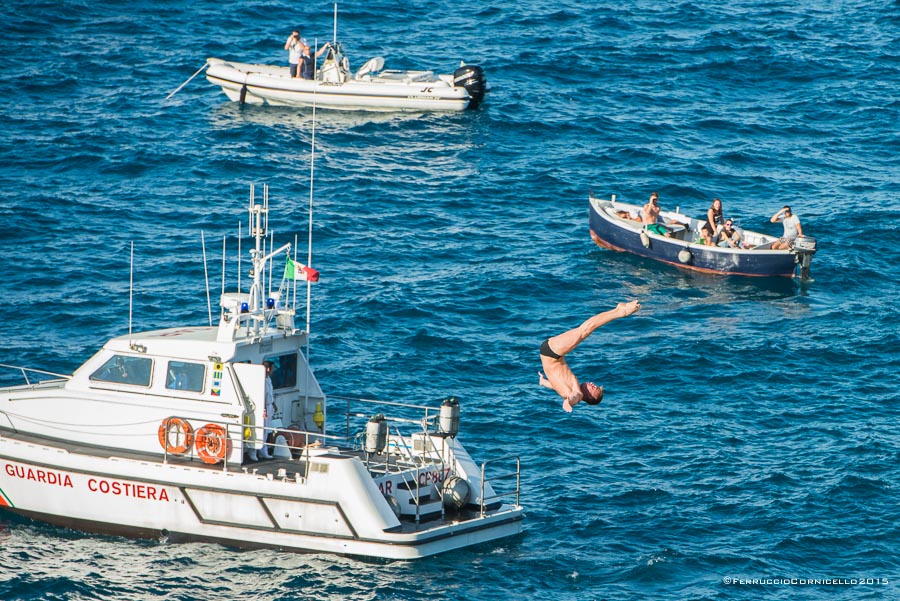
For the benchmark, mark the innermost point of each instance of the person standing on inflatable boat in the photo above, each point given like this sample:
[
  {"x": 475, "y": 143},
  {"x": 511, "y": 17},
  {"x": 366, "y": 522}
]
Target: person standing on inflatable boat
[
  {"x": 294, "y": 45},
  {"x": 553, "y": 358}
]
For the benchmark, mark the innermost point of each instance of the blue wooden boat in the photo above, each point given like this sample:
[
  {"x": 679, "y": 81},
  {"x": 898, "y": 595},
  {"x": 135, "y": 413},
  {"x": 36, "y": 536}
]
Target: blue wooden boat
[{"x": 616, "y": 225}]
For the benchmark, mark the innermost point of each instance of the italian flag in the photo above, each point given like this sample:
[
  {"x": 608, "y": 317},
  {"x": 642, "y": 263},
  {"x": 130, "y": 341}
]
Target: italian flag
[{"x": 294, "y": 270}]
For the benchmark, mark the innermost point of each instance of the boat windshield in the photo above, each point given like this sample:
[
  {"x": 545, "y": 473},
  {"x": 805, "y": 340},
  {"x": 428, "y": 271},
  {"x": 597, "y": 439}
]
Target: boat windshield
[
  {"x": 185, "y": 376},
  {"x": 125, "y": 369}
]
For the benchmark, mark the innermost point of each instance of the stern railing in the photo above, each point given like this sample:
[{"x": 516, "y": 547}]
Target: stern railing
[{"x": 517, "y": 474}]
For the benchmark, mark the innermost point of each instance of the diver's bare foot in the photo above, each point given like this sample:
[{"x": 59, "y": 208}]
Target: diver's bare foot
[{"x": 629, "y": 308}]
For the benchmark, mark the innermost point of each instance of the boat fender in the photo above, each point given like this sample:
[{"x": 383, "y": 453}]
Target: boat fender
[
  {"x": 456, "y": 492},
  {"x": 376, "y": 434},
  {"x": 684, "y": 255},
  {"x": 471, "y": 77},
  {"x": 243, "y": 93},
  {"x": 319, "y": 416},
  {"x": 645, "y": 239},
  {"x": 212, "y": 443},
  {"x": 175, "y": 435},
  {"x": 449, "y": 417}
]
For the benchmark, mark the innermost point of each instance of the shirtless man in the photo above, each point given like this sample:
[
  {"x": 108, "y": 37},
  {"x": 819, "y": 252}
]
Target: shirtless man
[
  {"x": 553, "y": 358},
  {"x": 650, "y": 216}
]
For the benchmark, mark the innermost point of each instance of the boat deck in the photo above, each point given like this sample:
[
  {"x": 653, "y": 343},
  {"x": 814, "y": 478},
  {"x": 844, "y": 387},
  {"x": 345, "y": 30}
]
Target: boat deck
[{"x": 280, "y": 467}]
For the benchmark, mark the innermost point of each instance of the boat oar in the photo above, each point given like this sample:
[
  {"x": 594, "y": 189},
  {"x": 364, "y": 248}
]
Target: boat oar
[{"x": 205, "y": 65}]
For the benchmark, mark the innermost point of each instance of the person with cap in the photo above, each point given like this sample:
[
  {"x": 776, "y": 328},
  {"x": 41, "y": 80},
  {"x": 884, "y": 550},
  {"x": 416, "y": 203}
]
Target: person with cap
[
  {"x": 294, "y": 46},
  {"x": 792, "y": 228},
  {"x": 269, "y": 408},
  {"x": 559, "y": 376},
  {"x": 268, "y": 412}
]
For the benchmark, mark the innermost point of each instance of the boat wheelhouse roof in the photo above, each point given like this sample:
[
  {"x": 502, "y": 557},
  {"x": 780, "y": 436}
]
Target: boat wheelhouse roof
[
  {"x": 193, "y": 342},
  {"x": 185, "y": 342}
]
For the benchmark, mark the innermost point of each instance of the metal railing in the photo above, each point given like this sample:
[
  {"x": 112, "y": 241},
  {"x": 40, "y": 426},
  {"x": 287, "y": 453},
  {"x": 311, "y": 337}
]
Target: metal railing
[
  {"x": 26, "y": 370},
  {"x": 516, "y": 474},
  {"x": 234, "y": 438}
]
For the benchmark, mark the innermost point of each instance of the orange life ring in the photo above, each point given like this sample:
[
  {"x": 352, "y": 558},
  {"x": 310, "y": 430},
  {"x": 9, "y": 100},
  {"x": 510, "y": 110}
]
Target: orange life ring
[
  {"x": 175, "y": 435},
  {"x": 212, "y": 443}
]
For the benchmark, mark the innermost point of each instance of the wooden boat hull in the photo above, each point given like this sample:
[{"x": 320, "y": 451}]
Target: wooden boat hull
[{"x": 625, "y": 235}]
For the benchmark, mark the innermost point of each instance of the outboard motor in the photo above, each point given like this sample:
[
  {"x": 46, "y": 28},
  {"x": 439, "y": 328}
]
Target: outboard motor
[
  {"x": 471, "y": 77},
  {"x": 804, "y": 248}
]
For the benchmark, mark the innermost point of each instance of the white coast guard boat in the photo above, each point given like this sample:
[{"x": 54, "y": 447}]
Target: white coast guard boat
[
  {"x": 335, "y": 87},
  {"x": 151, "y": 437}
]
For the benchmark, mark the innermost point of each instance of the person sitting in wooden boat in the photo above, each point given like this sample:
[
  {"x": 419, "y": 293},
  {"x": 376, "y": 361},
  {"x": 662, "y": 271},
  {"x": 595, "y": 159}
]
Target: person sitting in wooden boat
[
  {"x": 729, "y": 236},
  {"x": 792, "y": 228},
  {"x": 650, "y": 216},
  {"x": 714, "y": 219},
  {"x": 629, "y": 215}
]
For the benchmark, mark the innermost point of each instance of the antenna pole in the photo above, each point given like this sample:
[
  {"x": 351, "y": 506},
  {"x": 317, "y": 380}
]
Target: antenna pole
[
  {"x": 206, "y": 276},
  {"x": 266, "y": 206},
  {"x": 130, "y": 291},
  {"x": 293, "y": 288},
  {"x": 334, "y": 38},
  {"x": 271, "y": 242},
  {"x": 312, "y": 171},
  {"x": 240, "y": 223},
  {"x": 223, "y": 272}
]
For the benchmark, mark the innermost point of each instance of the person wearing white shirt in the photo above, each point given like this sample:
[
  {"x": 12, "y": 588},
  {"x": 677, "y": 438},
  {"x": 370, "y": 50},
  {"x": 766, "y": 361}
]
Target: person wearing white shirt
[
  {"x": 792, "y": 228},
  {"x": 294, "y": 46}
]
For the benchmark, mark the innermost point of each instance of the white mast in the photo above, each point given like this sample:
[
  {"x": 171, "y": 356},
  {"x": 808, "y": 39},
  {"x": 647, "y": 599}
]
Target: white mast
[
  {"x": 206, "y": 276},
  {"x": 334, "y": 36},
  {"x": 312, "y": 171},
  {"x": 130, "y": 293},
  {"x": 258, "y": 231}
]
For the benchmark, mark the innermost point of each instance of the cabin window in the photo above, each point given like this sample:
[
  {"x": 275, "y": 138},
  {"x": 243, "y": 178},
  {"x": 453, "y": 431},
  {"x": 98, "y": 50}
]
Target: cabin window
[
  {"x": 125, "y": 369},
  {"x": 284, "y": 371},
  {"x": 185, "y": 376}
]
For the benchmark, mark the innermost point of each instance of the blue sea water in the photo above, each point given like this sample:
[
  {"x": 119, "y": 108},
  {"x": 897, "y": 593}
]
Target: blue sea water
[{"x": 749, "y": 430}]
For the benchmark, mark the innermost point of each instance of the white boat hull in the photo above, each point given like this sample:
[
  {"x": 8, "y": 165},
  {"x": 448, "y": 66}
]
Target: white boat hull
[
  {"x": 182, "y": 502},
  {"x": 272, "y": 85},
  {"x": 220, "y": 433}
]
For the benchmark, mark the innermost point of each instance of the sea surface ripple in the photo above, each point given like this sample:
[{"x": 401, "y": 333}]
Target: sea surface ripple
[{"x": 749, "y": 430}]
